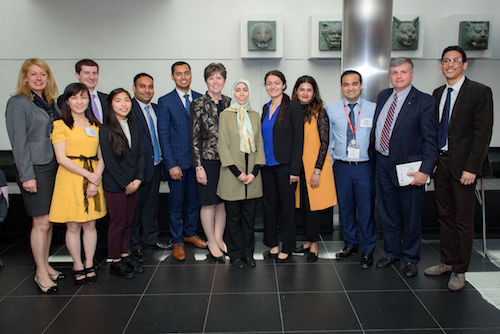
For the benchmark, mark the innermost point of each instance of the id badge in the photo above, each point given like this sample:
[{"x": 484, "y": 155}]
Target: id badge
[
  {"x": 353, "y": 153},
  {"x": 366, "y": 122},
  {"x": 91, "y": 132}
]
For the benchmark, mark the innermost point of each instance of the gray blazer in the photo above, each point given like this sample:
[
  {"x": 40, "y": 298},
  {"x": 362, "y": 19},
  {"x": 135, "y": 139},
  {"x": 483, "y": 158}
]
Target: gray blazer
[{"x": 29, "y": 129}]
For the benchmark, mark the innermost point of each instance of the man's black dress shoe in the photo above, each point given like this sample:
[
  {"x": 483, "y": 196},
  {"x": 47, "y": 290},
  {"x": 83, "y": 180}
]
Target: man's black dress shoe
[
  {"x": 162, "y": 245},
  {"x": 137, "y": 256},
  {"x": 385, "y": 262},
  {"x": 250, "y": 261},
  {"x": 121, "y": 270},
  {"x": 411, "y": 269},
  {"x": 239, "y": 263},
  {"x": 311, "y": 257},
  {"x": 345, "y": 253},
  {"x": 301, "y": 249},
  {"x": 366, "y": 261},
  {"x": 137, "y": 267}
]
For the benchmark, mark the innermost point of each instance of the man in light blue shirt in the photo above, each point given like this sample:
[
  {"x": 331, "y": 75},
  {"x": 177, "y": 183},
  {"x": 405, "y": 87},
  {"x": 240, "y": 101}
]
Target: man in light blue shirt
[{"x": 350, "y": 125}]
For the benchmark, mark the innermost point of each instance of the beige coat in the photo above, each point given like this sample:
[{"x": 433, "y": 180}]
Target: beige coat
[{"x": 229, "y": 187}]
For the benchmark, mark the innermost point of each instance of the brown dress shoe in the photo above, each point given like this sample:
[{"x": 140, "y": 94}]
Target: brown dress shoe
[
  {"x": 195, "y": 240},
  {"x": 178, "y": 252}
]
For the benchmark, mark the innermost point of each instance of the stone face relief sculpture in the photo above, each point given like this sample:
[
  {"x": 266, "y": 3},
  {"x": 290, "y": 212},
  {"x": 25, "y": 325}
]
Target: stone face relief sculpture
[
  {"x": 405, "y": 34},
  {"x": 474, "y": 35},
  {"x": 330, "y": 37},
  {"x": 262, "y": 35}
]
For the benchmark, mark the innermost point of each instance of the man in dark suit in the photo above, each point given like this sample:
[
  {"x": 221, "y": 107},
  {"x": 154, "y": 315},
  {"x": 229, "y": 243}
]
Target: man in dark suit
[
  {"x": 174, "y": 131},
  {"x": 87, "y": 72},
  {"x": 145, "y": 225},
  {"x": 404, "y": 130},
  {"x": 465, "y": 114}
]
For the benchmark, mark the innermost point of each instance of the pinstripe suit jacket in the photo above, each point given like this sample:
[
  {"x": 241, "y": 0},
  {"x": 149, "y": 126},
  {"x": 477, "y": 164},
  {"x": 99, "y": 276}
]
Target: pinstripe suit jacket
[{"x": 174, "y": 131}]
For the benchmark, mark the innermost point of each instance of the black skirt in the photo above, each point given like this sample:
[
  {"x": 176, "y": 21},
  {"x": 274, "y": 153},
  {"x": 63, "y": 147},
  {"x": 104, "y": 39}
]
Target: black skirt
[
  {"x": 38, "y": 204},
  {"x": 208, "y": 193}
]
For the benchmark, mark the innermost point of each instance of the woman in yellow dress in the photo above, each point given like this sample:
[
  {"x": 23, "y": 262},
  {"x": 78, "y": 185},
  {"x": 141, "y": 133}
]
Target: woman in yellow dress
[
  {"x": 78, "y": 196},
  {"x": 316, "y": 194}
]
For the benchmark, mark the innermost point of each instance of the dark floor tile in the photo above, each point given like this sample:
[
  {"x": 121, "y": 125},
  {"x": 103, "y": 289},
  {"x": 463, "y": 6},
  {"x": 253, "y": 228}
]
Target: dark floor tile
[
  {"x": 390, "y": 310},
  {"x": 182, "y": 278},
  {"x": 409, "y": 331},
  {"x": 18, "y": 256},
  {"x": 110, "y": 284},
  {"x": 316, "y": 276},
  {"x": 94, "y": 314},
  {"x": 243, "y": 313},
  {"x": 28, "y": 315},
  {"x": 317, "y": 311},
  {"x": 356, "y": 278},
  {"x": 10, "y": 277},
  {"x": 495, "y": 330},
  {"x": 258, "y": 279},
  {"x": 463, "y": 309}
]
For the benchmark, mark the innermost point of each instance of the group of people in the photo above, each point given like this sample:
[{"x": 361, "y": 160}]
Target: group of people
[{"x": 87, "y": 154}]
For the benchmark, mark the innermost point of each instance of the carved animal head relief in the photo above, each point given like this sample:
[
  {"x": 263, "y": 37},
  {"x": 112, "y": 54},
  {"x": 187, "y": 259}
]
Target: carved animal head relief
[
  {"x": 262, "y": 34},
  {"x": 477, "y": 34},
  {"x": 406, "y": 32},
  {"x": 332, "y": 31}
]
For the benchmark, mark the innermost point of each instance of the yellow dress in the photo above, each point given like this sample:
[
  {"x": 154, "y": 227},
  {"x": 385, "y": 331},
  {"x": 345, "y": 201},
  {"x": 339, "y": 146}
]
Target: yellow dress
[{"x": 68, "y": 200}]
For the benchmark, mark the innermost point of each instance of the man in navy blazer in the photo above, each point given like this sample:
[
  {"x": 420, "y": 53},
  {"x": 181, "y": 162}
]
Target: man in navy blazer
[
  {"x": 145, "y": 228},
  {"x": 465, "y": 114},
  {"x": 174, "y": 131},
  {"x": 404, "y": 130}
]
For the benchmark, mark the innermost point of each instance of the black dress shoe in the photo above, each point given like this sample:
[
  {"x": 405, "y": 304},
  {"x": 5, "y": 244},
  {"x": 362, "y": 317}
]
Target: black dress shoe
[
  {"x": 311, "y": 257},
  {"x": 137, "y": 267},
  {"x": 273, "y": 255},
  {"x": 162, "y": 245},
  {"x": 239, "y": 263},
  {"x": 385, "y": 262},
  {"x": 286, "y": 259},
  {"x": 301, "y": 249},
  {"x": 121, "y": 270},
  {"x": 250, "y": 261},
  {"x": 411, "y": 269},
  {"x": 220, "y": 259},
  {"x": 137, "y": 256},
  {"x": 345, "y": 253},
  {"x": 366, "y": 261}
]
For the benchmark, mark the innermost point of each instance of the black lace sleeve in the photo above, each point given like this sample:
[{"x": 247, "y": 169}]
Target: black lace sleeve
[{"x": 324, "y": 137}]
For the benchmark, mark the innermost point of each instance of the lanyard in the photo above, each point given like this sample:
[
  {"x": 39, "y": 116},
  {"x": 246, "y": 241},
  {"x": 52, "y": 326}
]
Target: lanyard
[{"x": 357, "y": 119}]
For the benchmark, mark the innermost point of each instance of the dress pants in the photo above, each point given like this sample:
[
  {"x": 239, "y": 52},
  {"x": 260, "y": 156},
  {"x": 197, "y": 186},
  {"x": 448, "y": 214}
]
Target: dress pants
[
  {"x": 145, "y": 228},
  {"x": 121, "y": 209},
  {"x": 240, "y": 221},
  {"x": 456, "y": 206},
  {"x": 356, "y": 192},
  {"x": 397, "y": 205},
  {"x": 279, "y": 207},
  {"x": 183, "y": 192}
]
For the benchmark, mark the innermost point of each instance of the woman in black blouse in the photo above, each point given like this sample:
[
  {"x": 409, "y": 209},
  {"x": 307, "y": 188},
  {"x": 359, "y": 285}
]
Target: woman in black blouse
[
  {"x": 316, "y": 194},
  {"x": 205, "y": 112}
]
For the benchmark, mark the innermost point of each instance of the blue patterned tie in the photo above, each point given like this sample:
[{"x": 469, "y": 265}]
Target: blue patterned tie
[
  {"x": 350, "y": 135},
  {"x": 445, "y": 121},
  {"x": 188, "y": 103},
  {"x": 386, "y": 130},
  {"x": 153, "y": 135}
]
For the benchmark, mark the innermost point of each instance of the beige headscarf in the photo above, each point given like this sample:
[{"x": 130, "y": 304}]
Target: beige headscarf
[{"x": 247, "y": 141}]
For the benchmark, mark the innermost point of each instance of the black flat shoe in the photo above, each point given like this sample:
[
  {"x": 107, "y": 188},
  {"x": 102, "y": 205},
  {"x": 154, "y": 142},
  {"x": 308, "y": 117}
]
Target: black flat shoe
[
  {"x": 311, "y": 257},
  {"x": 220, "y": 259},
  {"x": 57, "y": 276},
  {"x": 273, "y": 255},
  {"x": 286, "y": 259},
  {"x": 366, "y": 261},
  {"x": 411, "y": 269},
  {"x": 250, "y": 261},
  {"x": 46, "y": 289},
  {"x": 121, "y": 270},
  {"x": 137, "y": 267},
  {"x": 78, "y": 274},
  {"x": 301, "y": 249},
  {"x": 239, "y": 263}
]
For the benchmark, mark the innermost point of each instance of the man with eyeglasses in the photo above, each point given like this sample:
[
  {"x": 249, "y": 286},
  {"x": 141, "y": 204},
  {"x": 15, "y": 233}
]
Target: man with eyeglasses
[{"x": 465, "y": 116}]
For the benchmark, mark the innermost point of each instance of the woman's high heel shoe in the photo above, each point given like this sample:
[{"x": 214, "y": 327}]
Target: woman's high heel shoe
[
  {"x": 52, "y": 288},
  {"x": 78, "y": 274},
  {"x": 91, "y": 279},
  {"x": 57, "y": 276},
  {"x": 286, "y": 259}
]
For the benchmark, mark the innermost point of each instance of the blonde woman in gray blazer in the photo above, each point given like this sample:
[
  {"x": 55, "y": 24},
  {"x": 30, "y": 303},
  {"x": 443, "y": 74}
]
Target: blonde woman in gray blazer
[{"x": 29, "y": 116}]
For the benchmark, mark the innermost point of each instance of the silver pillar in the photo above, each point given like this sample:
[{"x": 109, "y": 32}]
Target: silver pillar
[{"x": 366, "y": 43}]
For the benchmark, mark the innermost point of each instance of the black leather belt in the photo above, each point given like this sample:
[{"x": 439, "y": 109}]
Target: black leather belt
[{"x": 351, "y": 162}]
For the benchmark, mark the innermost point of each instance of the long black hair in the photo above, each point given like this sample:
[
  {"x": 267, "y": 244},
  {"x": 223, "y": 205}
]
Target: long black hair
[
  {"x": 315, "y": 106},
  {"x": 72, "y": 90},
  {"x": 116, "y": 135},
  {"x": 286, "y": 99}
]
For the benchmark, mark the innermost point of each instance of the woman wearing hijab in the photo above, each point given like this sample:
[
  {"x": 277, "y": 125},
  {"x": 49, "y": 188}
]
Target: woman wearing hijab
[
  {"x": 29, "y": 117},
  {"x": 241, "y": 153}
]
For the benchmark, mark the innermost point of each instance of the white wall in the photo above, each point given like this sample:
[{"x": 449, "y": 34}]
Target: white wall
[{"x": 127, "y": 37}]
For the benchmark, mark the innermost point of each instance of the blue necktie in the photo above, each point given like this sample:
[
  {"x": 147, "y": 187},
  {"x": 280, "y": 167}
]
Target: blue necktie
[
  {"x": 445, "y": 121},
  {"x": 188, "y": 104},
  {"x": 156, "y": 147},
  {"x": 350, "y": 135}
]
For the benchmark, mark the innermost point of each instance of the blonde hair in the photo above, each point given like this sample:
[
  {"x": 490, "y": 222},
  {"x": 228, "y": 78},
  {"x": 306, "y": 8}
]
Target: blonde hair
[{"x": 50, "y": 90}]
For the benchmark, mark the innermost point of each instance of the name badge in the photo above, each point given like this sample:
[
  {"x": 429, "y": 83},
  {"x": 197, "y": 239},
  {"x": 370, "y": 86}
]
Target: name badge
[
  {"x": 366, "y": 122},
  {"x": 91, "y": 132},
  {"x": 353, "y": 153}
]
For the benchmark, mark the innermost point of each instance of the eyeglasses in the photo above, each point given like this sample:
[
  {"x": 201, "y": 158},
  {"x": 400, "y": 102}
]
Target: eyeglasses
[{"x": 454, "y": 60}]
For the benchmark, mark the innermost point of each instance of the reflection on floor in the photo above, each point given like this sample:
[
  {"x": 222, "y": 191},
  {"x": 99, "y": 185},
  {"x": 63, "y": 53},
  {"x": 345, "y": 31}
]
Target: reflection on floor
[{"x": 201, "y": 296}]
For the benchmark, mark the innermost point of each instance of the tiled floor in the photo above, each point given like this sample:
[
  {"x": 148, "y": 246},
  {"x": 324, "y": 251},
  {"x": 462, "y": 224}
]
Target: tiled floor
[{"x": 200, "y": 296}]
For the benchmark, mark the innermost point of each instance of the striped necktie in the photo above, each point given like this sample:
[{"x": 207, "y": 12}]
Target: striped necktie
[{"x": 386, "y": 130}]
